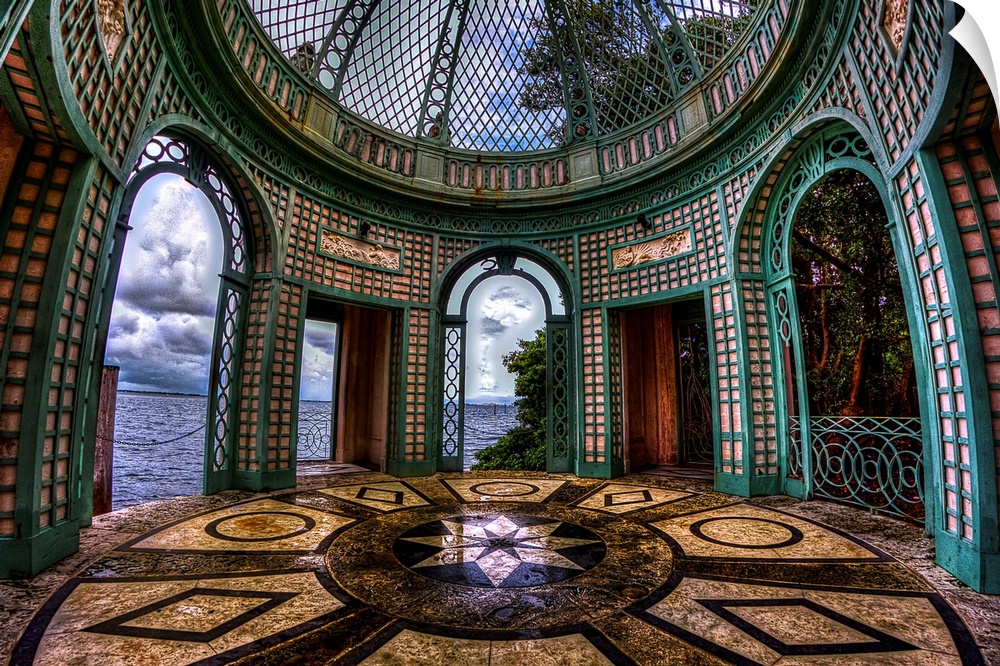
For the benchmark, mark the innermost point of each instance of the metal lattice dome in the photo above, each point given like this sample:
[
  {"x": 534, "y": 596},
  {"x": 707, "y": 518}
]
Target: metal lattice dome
[{"x": 510, "y": 75}]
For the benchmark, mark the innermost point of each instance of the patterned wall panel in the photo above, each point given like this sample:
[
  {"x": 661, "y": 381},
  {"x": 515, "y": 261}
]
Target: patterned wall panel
[
  {"x": 705, "y": 260},
  {"x": 899, "y": 94},
  {"x": 842, "y": 92},
  {"x": 725, "y": 341},
  {"x": 253, "y": 379},
  {"x": 309, "y": 259},
  {"x": 939, "y": 322},
  {"x": 112, "y": 85},
  {"x": 595, "y": 435},
  {"x": 970, "y": 170},
  {"x": 760, "y": 379},
  {"x": 20, "y": 70},
  {"x": 281, "y": 413},
  {"x": 29, "y": 232},
  {"x": 415, "y": 434}
]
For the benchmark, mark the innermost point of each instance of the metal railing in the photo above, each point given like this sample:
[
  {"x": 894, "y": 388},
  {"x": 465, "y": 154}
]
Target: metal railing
[
  {"x": 869, "y": 461},
  {"x": 314, "y": 436}
]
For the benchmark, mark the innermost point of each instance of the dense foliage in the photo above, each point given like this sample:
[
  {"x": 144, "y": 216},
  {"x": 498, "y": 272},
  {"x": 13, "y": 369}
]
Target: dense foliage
[
  {"x": 627, "y": 73},
  {"x": 855, "y": 336},
  {"x": 523, "y": 447}
]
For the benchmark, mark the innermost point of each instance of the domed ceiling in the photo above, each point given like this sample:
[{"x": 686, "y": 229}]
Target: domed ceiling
[{"x": 505, "y": 75}]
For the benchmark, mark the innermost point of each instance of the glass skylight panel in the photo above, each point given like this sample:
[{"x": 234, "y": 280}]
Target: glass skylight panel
[
  {"x": 298, "y": 28},
  {"x": 486, "y": 113},
  {"x": 387, "y": 76},
  {"x": 503, "y": 87}
]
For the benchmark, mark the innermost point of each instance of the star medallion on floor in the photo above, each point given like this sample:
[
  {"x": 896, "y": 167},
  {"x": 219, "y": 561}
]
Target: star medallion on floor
[
  {"x": 532, "y": 569},
  {"x": 499, "y": 551}
]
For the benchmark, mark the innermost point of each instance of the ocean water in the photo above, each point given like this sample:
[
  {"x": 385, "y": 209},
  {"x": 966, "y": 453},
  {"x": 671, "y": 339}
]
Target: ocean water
[{"x": 147, "y": 467}]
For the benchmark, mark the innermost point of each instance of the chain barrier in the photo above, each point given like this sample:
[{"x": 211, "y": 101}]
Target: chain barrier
[{"x": 123, "y": 442}]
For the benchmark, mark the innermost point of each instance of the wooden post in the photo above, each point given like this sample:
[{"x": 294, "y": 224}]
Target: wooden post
[{"x": 103, "y": 459}]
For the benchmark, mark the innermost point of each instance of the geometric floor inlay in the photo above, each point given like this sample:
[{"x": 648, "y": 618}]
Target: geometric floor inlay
[
  {"x": 764, "y": 623},
  {"x": 621, "y": 498},
  {"x": 382, "y": 497},
  {"x": 743, "y": 531},
  {"x": 164, "y": 621},
  {"x": 459, "y": 569},
  {"x": 505, "y": 550},
  {"x": 414, "y": 648},
  {"x": 503, "y": 490},
  {"x": 260, "y": 526}
]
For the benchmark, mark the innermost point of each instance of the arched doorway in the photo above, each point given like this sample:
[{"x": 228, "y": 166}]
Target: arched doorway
[
  {"x": 455, "y": 350},
  {"x": 186, "y": 159},
  {"x": 846, "y": 364}
]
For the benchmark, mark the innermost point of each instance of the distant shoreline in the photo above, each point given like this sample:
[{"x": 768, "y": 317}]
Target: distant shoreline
[
  {"x": 499, "y": 400},
  {"x": 186, "y": 395}
]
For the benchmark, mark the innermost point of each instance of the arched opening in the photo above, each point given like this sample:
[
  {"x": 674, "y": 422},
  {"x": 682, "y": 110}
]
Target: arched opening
[
  {"x": 160, "y": 338},
  {"x": 173, "y": 274},
  {"x": 846, "y": 350},
  {"x": 488, "y": 307}
]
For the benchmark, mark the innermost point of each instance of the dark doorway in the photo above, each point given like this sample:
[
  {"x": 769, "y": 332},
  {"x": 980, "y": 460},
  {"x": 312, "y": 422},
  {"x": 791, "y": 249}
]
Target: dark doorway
[
  {"x": 668, "y": 415},
  {"x": 695, "y": 388}
]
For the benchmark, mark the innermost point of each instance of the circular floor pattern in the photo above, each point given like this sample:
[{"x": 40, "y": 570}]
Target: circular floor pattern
[
  {"x": 260, "y": 526},
  {"x": 492, "y": 566},
  {"x": 499, "y": 550},
  {"x": 683, "y": 577},
  {"x": 504, "y": 489},
  {"x": 746, "y": 532}
]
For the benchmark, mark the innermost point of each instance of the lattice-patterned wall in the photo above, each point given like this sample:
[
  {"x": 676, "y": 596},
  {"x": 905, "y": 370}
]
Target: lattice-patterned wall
[
  {"x": 939, "y": 321},
  {"x": 594, "y": 387},
  {"x": 281, "y": 412},
  {"x": 705, "y": 260},
  {"x": 415, "y": 402},
  {"x": 112, "y": 88},
  {"x": 898, "y": 93},
  {"x": 29, "y": 232},
  {"x": 725, "y": 343},
  {"x": 970, "y": 167}
]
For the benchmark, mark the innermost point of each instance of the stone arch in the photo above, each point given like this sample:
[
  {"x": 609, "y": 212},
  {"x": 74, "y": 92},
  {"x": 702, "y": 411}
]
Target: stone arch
[
  {"x": 766, "y": 300},
  {"x": 505, "y": 259},
  {"x": 178, "y": 146}
]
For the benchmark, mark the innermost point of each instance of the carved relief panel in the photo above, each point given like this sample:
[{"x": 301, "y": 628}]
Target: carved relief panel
[
  {"x": 668, "y": 246},
  {"x": 111, "y": 24},
  {"x": 894, "y": 21},
  {"x": 360, "y": 250}
]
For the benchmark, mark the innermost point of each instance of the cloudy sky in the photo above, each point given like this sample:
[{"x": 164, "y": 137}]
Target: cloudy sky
[
  {"x": 163, "y": 318},
  {"x": 164, "y": 309},
  {"x": 502, "y": 310}
]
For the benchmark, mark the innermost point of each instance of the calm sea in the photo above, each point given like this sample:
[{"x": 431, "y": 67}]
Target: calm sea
[{"x": 146, "y": 470}]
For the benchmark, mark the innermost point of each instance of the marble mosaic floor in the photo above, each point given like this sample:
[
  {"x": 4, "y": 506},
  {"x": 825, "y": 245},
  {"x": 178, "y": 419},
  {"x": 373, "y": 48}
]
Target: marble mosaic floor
[{"x": 363, "y": 568}]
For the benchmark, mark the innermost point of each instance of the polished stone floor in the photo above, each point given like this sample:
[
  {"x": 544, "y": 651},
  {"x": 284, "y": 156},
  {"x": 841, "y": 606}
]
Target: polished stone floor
[{"x": 356, "y": 567}]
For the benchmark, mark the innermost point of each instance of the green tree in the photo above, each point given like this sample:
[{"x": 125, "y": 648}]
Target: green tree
[
  {"x": 523, "y": 447},
  {"x": 627, "y": 75},
  {"x": 855, "y": 335}
]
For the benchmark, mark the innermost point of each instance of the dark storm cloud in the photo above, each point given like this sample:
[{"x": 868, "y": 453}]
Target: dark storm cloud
[
  {"x": 320, "y": 338},
  {"x": 126, "y": 324},
  {"x": 170, "y": 354}
]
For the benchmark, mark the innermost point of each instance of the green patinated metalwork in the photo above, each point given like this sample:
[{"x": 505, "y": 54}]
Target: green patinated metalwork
[
  {"x": 872, "y": 462},
  {"x": 559, "y": 363}
]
